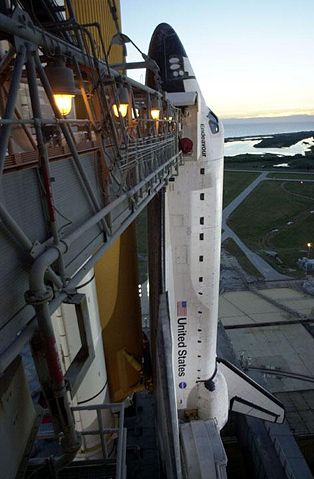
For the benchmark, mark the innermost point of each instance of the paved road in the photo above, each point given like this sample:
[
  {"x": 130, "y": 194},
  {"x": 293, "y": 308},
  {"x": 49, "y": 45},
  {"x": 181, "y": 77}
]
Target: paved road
[
  {"x": 238, "y": 200},
  {"x": 262, "y": 177},
  {"x": 269, "y": 273}
]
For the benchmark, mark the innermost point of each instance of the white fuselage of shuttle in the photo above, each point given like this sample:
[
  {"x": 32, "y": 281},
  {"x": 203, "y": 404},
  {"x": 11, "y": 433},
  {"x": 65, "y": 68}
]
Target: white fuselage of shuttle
[{"x": 193, "y": 211}]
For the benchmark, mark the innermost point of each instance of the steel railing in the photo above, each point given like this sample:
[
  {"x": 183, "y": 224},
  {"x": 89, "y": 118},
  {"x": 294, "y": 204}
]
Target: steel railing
[{"x": 101, "y": 431}]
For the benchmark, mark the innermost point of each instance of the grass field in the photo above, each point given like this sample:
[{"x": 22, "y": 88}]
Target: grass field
[
  {"x": 269, "y": 208},
  {"x": 300, "y": 189},
  {"x": 234, "y": 183},
  {"x": 291, "y": 242}
]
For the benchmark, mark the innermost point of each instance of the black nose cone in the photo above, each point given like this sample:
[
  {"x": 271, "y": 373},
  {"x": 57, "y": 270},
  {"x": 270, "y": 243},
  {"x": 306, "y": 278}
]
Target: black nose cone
[{"x": 168, "y": 52}]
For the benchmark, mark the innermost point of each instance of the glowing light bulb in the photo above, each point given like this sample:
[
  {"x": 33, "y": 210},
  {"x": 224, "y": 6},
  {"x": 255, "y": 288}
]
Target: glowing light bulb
[
  {"x": 123, "y": 109},
  {"x": 155, "y": 114},
  {"x": 64, "y": 103}
]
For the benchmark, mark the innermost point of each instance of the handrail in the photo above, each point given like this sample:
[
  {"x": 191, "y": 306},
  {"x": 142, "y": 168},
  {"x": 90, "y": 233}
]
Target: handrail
[{"x": 101, "y": 431}]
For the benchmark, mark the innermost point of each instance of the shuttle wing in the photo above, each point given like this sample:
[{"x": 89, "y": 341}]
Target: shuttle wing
[{"x": 248, "y": 397}]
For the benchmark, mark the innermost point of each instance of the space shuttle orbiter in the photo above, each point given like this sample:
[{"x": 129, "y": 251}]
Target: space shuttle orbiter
[{"x": 193, "y": 211}]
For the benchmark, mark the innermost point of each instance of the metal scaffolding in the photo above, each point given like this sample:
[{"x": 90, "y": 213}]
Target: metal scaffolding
[{"x": 69, "y": 185}]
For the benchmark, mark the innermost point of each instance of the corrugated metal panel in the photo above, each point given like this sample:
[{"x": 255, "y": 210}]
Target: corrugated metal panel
[
  {"x": 23, "y": 199},
  {"x": 98, "y": 11}
]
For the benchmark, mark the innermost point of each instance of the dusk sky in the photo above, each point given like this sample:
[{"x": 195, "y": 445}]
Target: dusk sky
[{"x": 251, "y": 57}]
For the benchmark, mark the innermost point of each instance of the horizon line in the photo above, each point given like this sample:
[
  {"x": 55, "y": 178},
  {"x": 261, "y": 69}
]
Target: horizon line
[{"x": 264, "y": 116}]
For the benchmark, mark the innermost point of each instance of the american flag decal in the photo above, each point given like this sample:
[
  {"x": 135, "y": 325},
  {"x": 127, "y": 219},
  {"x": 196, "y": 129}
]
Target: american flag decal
[{"x": 181, "y": 308}]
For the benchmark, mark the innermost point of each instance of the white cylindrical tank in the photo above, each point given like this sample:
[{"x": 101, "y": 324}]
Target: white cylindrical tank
[{"x": 94, "y": 386}]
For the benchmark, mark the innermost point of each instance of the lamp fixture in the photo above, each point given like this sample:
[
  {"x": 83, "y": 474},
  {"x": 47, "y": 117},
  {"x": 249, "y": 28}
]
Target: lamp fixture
[
  {"x": 155, "y": 108},
  {"x": 61, "y": 79},
  {"x": 64, "y": 103},
  {"x": 122, "y": 108}
]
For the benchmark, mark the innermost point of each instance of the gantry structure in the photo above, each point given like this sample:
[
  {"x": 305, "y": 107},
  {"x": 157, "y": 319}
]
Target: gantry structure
[{"x": 83, "y": 150}]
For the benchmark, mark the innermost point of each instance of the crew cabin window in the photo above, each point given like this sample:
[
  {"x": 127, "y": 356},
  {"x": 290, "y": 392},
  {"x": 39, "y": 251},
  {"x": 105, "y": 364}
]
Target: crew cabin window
[{"x": 213, "y": 122}]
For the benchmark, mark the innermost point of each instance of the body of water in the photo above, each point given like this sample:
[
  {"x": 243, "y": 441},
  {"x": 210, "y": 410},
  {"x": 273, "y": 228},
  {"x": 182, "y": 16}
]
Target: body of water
[
  {"x": 250, "y": 127},
  {"x": 267, "y": 126},
  {"x": 241, "y": 147}
]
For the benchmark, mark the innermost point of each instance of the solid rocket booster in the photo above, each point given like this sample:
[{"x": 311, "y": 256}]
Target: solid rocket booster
[
  {"x": 193, "y": 214},
  {"x": 93, "y": 388}
]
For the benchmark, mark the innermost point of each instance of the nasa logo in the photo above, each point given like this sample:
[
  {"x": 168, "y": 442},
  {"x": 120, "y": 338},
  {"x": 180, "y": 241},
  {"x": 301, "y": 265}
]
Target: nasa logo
[{"x": 182, "y": 385}]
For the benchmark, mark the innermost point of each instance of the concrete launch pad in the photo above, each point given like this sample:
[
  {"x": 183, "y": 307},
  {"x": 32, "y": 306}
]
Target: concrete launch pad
[
  {"x": 272, "y": 331},
  {"x": 246, "y": 307}
]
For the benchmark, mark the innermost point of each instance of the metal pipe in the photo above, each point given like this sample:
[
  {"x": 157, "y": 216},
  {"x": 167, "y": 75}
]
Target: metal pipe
[
  {"x": 50, "y": 347},
  {"x": 68, "y": 139},
  {"x": 72, "y": 19},
  {"x": 103, "y": 97},
  {"x": 47, "y": 361},
  {"x": 39, "y": 268},
  {"x": 44, "y": 121},
  {"x": 42, "y": 148},
  {"x": 26, "y": 244},
  {"x": 97, "y": 25},
  {"x": 10, "y": 106},
  {"x": 101, "y": 433},
  {"x": 77, "y": 26},
  {"x": 120, "y": 442},
  {"x": 19, "y": 25},
  {"x": 56, "y": 396},
  {"x": 84, "y": 95},
  {"x": 91, "y": 117},
  {"x": 43, "y": 155}
]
